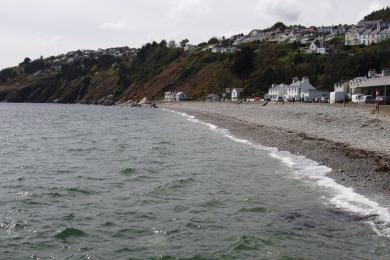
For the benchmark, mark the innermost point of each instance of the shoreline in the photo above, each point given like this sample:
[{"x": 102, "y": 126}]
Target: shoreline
[{"x": 365, "y": 171}]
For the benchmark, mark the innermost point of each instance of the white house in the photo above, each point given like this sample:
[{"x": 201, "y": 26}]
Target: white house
[
  {"x": 299, "y": 89},
  {"x": 317, "y": 47},
  {"x": 342, "y": 86},
  {"x": 181, "y": 96},
  {"x": 236, "y": 93},
  {"x": 384, "y": 34},
  {"x": 376, "y": 85},
  {"x": 277, "y": 91},
  {"x": 354, "y": 83},
  {"x": 170, "y": 96},
  {"x": 352, "y": 37}
]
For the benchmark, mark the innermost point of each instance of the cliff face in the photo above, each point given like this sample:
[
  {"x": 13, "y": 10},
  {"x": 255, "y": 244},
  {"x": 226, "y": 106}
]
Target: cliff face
[{"x": 155, "y": 68}]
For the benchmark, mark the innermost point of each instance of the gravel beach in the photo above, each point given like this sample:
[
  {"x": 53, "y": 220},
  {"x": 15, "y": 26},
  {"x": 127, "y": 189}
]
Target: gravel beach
[{"x": 352, "y": 141}]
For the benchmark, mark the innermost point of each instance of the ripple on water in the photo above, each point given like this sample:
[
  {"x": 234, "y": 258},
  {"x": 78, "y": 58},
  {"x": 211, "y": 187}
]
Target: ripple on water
[
  {"x": 130, "y": 233},
  {"x": 128, "y": 171},
  {"x": 79, "y": 191},
  {"x": 253, "y": 210},
  {"x": 174, "y": 185},
  {"x": 70, "y": 233}
]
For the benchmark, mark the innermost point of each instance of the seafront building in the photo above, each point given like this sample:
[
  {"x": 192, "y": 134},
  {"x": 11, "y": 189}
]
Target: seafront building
[
  {"x": 375, "y": 85},
  {"x": 236, "y": 93},
  {"x": 298, "y": 90}
]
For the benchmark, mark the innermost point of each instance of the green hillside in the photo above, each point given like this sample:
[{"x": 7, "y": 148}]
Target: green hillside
[
  {"x": 122, "y": 74},
  {"x": 383, "y": 14}
]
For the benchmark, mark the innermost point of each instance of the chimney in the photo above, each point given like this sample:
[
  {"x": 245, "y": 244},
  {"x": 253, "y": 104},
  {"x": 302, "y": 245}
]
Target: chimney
[
  {"x": 295, "y": 79},
  {"x": 305, "y": 79},
  {"x": 371, "y": 73},
  {"x": 385, "y": 72}
]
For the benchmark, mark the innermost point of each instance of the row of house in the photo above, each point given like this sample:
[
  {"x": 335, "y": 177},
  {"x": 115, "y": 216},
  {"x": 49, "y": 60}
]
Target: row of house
[
  {"x": 375, "y": 84},
  {"x": 295, "y": 34},
  {"x": 219, "y": 48},
  {"x": 367, "y": 33},
  {"x": 298, "y": 90},
  {"x": 70, "y": 57}
]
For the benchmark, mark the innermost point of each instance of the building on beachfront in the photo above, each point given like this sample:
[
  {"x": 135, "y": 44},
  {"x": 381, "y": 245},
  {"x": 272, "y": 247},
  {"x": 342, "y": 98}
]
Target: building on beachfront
[
  {"x": 276, "y": 91},
  {"x": 303, "y": 90},
  {"x": 181, "y": 96},
  {"x": 236, "y": 93},
  {"x": 170, "y": 96},
  {"x": 297, "y": 87},
  {"x": 342, "y": 86},
  {"x": 377, "y": 84},
  {"x": 354, "y": 83}
]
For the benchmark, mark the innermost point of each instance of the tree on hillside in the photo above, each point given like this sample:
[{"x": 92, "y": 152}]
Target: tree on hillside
[
  {"x": 184, "y": 42},
  {"x": 383, "y": 14},
  {"x": 213, "y": 40},
  {"x": 172, "y": 44},
  {"x": 26, "y": 60},
  {"x": 243, "y": 64},
  {"x": 279, "y": 25},
  {"x": 163, "y": 44}
]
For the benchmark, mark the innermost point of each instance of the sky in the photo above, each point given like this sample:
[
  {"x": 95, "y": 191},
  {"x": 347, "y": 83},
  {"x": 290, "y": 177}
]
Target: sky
[{"x": 31, "y": 28}]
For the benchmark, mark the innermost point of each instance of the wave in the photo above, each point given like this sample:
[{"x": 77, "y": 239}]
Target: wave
[
  {"x": 339, "y": 196},
  {"x": 70, "y": 232}
]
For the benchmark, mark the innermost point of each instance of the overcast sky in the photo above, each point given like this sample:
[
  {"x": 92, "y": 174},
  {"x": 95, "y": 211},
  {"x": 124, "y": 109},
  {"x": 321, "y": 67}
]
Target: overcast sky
[{"x": 30, "y": 28}]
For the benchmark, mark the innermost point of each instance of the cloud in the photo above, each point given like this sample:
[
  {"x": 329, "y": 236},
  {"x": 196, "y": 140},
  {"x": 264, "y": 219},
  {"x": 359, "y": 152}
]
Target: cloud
[
  {"x": 187, "y": 9},
  {"x": 48, "y": 41},
  {"x": 286, "y": 11},
  {"x": 116, "y": 26}
]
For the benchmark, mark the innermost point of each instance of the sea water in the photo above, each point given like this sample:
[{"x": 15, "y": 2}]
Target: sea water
[{"x": 91, "y": 182}]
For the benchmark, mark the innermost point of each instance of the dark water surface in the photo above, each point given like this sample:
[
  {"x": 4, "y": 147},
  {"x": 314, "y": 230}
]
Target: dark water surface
[{"x": 90, "y": 182}]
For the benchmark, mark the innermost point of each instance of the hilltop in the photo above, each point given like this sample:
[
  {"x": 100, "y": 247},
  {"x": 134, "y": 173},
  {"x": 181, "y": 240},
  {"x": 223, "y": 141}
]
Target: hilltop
[
  {"x": 383, "y": 14},
  {"x": 253, "y": 61}
]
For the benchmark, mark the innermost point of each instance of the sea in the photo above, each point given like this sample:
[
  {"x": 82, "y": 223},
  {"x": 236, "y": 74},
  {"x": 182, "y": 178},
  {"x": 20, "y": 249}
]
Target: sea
[{"x": 93, "y": 182}]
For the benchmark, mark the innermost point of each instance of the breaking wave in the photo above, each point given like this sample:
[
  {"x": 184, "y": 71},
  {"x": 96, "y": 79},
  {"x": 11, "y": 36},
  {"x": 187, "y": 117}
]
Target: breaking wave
[{"x": 338, "y": 196}]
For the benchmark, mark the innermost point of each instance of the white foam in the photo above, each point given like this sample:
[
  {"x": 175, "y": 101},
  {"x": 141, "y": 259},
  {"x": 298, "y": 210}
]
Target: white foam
[{"x": 339, "y": 196}]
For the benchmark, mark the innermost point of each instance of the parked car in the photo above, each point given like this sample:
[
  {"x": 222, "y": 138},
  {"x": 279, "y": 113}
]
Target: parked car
[
  {"x": 291, "y": 99},
  {"x": 279, "y": 99},
  {"x": 307, "y": 100},
  {"x": 356, "y": 98},
  {"x": 324, "y": 100},
  {"x": 366, "y": 99},
  {"x": 383, "y": 100}
]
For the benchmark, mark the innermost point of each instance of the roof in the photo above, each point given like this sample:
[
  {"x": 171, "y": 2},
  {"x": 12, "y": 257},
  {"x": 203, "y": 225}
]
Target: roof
[
  {"x": 359, "y": 79},
  {"x": 303, "y": 84},
  {"x": 385, "y": 31},
  {"x": 375, "y": 82}
]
